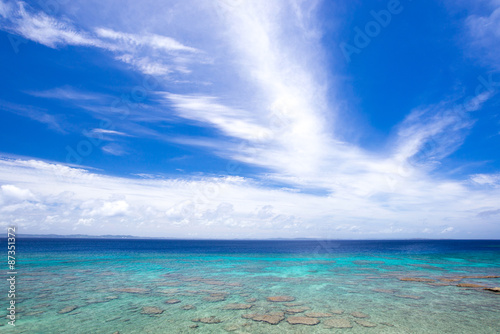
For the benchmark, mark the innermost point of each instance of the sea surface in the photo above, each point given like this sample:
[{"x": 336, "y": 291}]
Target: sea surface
[{"x": 192, "y": 286}]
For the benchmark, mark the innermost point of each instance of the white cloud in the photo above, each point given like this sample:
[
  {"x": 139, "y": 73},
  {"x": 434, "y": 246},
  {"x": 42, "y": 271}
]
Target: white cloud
[
  {"x": 110, "y": 209},
  {"x": 85, "y": 221},
  {"x": 278, "y": 56},
  {"x": 431, "y": 134},
  {"x": 151, "y": 40},
  {"x": 232, "y": 122},
  {"x": 68, "y": 93},
  {"x": 64, "y": 199},
  {"x": 114, "y": 149},
  {"x": 146, "y": 65},
  {"x": 484, "y": 32},
  {"x": 44, "y": 29},
  {"x": 34, "y": 113},
  {"x": 287, "y": 127},
  {"x": 99, "y": 131},
  {"x": 12, "y": 192},
  {"x": 16, "y": 199},
  {"x": 149, "y": 53},
  {"x": 486, "y": 179},
  {"x": 448, "y": 230},
  {"x": 487, "y": 26}
]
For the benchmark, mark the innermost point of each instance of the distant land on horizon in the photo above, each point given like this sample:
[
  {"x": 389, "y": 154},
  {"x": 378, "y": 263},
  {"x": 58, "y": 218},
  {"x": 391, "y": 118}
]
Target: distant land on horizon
[{"x": 109, "y": 236}]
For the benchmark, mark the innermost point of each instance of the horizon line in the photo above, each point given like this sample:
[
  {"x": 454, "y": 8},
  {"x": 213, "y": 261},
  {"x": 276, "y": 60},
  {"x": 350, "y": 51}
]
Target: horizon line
[{"x": 111, "y": 236}]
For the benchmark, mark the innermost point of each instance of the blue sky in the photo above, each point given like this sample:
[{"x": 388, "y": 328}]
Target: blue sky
[{"x": 251, "y": 119}]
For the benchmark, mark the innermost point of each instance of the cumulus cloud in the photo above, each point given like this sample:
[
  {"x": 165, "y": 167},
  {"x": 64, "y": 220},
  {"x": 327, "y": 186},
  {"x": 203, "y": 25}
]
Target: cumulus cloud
[
  {"x": 447, "y": 230},
  {"x": 11, "y": 192},
  {"x": 16, "y": 199},
  {"x": 73, "y": 199},
  {"x": 110, "y": 209}
]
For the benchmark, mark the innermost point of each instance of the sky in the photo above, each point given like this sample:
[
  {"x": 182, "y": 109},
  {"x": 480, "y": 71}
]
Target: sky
[{"x": 251, "y": 119}]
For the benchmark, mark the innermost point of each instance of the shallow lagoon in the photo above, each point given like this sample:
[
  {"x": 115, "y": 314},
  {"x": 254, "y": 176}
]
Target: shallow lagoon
[{"x": 105, "y": 286}]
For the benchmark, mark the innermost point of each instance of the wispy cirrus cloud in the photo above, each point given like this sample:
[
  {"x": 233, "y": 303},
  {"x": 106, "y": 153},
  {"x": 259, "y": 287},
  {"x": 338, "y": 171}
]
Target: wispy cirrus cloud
[
  {"x": 432, "y": 133},
  {"x": 149, "y": 40},
  {"x": 104, "y": 132},
  {"x": 486, "y": 179},
  {"x": 19, "y": 18},
  {"x": 114, "y": 149},
  {"x": 484, "y": 30},
  {"x": 205, "y": 109},
  {"x": 477, "y": 25},
  {"x": 290, "y": 130},
  {"x": 54, "y": 122},
  {"x": 69, "y": 93}
]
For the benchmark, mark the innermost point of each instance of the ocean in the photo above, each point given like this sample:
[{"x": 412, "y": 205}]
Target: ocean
[{"x": 272, "y": 286}]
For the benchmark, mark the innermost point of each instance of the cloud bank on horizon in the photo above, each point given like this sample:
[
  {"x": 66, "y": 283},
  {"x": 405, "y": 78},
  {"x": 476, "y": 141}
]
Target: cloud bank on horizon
[{"x": 251, "y": 119}]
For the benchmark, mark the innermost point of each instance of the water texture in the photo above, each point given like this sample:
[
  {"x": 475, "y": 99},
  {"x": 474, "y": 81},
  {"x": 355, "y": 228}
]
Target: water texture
[{"x": 187, "y": 286}]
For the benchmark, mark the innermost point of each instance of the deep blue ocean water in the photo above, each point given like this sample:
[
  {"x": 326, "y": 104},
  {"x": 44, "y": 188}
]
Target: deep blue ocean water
[
  {"x": 259, "y": 246},
  {"x": 110, "y": 285}
]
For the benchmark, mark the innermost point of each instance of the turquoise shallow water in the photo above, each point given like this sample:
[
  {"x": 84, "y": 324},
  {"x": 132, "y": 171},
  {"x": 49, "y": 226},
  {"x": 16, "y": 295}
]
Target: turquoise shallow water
[{"x": 112, "y": 284}]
